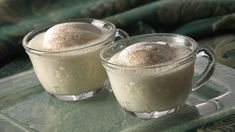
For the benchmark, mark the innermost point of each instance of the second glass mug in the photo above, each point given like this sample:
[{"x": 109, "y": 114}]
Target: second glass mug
[
  {"x": 155, "y": 90},
  {"x": 73, "y": 74}
]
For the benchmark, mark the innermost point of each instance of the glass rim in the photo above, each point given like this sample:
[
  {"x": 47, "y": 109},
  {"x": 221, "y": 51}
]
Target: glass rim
[
  {"x": 29, "y": 35},
  {"x": 180, "y": 60}
]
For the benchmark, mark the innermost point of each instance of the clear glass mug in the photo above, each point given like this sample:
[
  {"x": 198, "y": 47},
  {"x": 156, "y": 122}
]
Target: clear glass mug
[
  {"x": 155, "y": 90},
  {"x": 74, "y": 74}
]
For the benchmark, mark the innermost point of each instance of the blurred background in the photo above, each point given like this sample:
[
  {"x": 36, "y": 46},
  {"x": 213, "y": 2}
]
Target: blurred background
[{"x": 210, "y": 22}]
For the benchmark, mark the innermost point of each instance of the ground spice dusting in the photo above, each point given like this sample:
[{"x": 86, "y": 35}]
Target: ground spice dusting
[{"x": 146, "y": 53}]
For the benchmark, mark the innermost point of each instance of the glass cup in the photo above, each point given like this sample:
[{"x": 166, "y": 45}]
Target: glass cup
[
  {"x": 155, "y": 90},
  {"x": 73, "y": 74}
]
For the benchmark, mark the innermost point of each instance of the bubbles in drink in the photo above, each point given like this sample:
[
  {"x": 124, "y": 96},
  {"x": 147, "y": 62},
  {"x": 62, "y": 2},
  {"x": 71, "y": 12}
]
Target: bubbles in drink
[
  {"x": 160, "y": 87},
  {"x": 76, "y": 71}
]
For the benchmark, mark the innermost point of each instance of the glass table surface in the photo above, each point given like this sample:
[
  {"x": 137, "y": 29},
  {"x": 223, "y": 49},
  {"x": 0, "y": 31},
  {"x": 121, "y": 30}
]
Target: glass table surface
[{"x": 25, "y": 106}]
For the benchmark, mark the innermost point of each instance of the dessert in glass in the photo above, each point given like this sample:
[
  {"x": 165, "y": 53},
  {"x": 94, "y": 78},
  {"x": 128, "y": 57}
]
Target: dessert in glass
[
  {"x": 65, "y": 56},
  {"x": 153, "y": 74}
]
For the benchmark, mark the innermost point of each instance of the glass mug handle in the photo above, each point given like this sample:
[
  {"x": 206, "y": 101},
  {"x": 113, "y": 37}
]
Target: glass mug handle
[
  {"x": 120, "y": 34},
  {"x": 209, "y": 70}
]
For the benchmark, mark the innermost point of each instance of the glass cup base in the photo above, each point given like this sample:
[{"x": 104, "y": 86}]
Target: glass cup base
[
  {"x": 154, "y": 114},
  {"x": 81, "y": 96}
]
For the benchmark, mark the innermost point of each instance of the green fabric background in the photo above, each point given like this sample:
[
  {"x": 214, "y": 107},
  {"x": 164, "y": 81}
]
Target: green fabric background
[
  {"x": 210, "y": 22},
  {"x": 207, "y": 21}
]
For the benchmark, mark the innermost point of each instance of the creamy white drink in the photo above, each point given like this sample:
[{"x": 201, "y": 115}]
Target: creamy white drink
[
  {"x": 69, "y": 63},
  {"x": 139, "y": 88}
]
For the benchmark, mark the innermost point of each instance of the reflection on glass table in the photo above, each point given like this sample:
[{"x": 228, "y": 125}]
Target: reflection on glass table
[{"x": 25, "y": 106}]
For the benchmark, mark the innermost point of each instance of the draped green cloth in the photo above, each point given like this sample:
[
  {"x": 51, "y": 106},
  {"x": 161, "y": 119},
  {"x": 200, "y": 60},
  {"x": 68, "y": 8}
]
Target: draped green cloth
[{"x": 210, "y": 22}]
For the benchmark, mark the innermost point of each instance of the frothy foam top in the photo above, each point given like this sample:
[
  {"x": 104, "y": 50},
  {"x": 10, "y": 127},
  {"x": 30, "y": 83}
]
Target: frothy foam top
[
  {"x": 66, "y": 36},
  {"x": 147, "y": 53}
]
